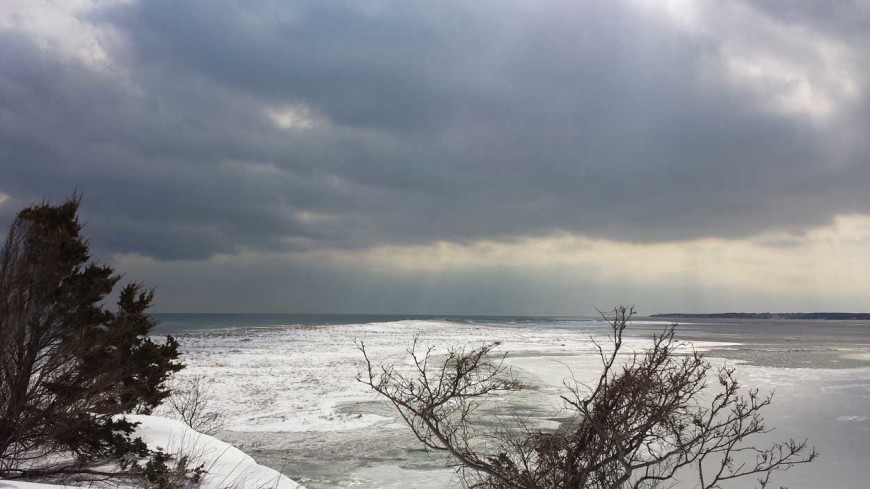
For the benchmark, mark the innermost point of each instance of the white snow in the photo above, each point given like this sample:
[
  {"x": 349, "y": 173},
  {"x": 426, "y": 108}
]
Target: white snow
[
  {"x": 227, "y": 466},
  {"x": 26, "y": 485}
]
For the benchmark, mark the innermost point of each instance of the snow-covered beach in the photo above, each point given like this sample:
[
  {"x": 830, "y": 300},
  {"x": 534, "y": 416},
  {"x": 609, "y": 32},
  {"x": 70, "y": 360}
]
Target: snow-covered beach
[{"x": 294, "y": 405}]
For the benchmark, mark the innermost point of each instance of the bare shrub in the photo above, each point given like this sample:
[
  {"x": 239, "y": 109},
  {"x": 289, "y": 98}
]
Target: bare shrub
[
  {"x": 192, "y": 403},
  {"x": 639, "y": 425}
]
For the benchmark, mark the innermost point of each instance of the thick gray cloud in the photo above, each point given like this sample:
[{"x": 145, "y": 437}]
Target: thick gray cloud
[{"x": 435, "y": 121}]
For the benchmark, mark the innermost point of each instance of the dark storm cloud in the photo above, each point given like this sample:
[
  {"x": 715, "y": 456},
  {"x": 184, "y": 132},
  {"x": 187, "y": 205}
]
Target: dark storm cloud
[{"x": 431, "y": 121}]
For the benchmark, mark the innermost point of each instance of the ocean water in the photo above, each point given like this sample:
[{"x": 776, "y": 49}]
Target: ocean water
[{"x": 287, "y": 384}]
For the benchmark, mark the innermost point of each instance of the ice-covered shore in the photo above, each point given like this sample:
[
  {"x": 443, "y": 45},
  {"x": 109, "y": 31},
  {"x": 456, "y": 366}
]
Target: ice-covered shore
[
  {"x": 299, "y": 379},
  {"x": 292, "y": 399},
  {"x": 293, "y": 403}
]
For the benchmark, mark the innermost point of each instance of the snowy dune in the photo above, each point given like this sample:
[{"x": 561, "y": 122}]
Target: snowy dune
[
  {"x": 227, "y": 466},
  {"x": 26, "y": 485}
]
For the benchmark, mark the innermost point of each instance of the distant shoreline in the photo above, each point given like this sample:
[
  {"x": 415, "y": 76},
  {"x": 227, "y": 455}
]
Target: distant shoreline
[{"x": 831, "y": 316}]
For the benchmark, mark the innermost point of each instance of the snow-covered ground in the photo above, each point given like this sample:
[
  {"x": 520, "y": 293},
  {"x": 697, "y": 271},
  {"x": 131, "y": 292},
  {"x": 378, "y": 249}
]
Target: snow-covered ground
[
  {"x": 26, "y": 485},
  {"x": 226, "y": 466}
]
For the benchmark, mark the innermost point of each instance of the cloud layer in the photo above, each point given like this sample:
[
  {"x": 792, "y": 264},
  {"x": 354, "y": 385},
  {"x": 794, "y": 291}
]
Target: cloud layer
[{"x": 216, "y": 128}]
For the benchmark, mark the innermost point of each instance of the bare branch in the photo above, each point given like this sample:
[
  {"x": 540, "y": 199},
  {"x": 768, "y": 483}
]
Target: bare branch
[{"x": 639, "y": 425}]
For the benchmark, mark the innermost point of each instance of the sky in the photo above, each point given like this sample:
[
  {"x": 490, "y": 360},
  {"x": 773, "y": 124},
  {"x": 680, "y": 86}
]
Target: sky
[{"x": 452, "y": 157}]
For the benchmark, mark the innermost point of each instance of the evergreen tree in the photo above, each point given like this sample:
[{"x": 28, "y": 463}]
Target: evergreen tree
[{"x": 68, "y": 365}]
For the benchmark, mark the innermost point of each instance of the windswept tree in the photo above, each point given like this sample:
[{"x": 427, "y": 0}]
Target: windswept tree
[
  {"x": 651, "y": 416},
  {"x": 68, "y": 365}
]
